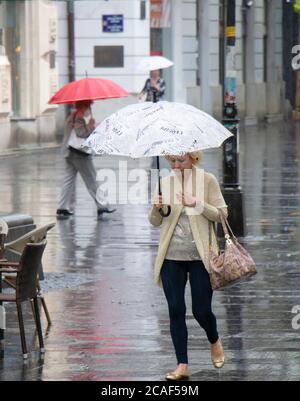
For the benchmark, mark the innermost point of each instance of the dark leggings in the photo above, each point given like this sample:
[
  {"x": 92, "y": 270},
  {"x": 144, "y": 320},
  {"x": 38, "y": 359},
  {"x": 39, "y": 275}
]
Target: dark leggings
[{"x": 174, "y": 276}]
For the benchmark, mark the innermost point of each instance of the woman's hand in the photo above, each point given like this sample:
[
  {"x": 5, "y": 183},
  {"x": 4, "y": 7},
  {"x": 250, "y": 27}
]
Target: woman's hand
[
  {"x": 187, "y": 199},
  {"x": 158, "y": 202},
  {"x": 155, "y": 84}
]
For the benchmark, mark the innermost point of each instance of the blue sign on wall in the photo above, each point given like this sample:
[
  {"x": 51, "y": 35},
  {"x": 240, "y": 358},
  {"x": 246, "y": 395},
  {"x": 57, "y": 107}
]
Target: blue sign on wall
[{"x": 112, "y": 23}]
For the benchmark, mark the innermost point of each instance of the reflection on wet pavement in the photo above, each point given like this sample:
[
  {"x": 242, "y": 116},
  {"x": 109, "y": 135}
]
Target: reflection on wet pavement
[{"x": 111, "y": 323}]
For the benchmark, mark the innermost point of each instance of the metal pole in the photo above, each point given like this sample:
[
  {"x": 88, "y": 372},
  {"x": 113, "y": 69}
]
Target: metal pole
[
  {"x": 231, "y": 187},
  {"x": 71, "y": 45},
  {"x": 71, "y": 40}
]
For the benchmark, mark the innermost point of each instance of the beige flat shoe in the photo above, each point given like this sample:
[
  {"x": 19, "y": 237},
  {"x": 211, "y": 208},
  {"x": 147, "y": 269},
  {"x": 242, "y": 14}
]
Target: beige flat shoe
[
  {"x": 176, "y": 376},
  {"x": 219, "y": 363}
]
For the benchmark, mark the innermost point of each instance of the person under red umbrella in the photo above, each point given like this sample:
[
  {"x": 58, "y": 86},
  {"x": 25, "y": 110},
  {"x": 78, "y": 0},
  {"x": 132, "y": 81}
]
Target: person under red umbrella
[{"x": 79, "y": 125}]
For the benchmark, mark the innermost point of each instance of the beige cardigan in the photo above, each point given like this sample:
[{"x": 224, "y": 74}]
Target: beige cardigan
[{"x": 199, "y": 217}]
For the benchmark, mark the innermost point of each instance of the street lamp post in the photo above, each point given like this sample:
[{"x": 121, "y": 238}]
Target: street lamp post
[{"x": 231, "y": 188}]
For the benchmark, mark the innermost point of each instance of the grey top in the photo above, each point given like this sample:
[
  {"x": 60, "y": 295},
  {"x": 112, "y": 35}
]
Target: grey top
[{"x": 182, "y": 245}]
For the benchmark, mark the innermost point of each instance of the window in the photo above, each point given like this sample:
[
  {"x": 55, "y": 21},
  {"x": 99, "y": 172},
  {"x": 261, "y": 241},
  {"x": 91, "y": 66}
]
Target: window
[
  {"x": 108, "y": 56},
  {"x": 143, "y": 10}
]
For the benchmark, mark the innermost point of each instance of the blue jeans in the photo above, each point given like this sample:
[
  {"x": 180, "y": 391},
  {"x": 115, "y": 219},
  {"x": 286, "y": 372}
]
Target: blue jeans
[{"x": 174, "y": 276}]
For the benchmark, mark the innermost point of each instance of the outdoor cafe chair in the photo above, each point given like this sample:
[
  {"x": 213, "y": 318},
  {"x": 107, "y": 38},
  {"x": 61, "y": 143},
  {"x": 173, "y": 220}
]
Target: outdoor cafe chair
[
  {"x": 17, "y": 247},
  {"x": 26, "y": 276}
]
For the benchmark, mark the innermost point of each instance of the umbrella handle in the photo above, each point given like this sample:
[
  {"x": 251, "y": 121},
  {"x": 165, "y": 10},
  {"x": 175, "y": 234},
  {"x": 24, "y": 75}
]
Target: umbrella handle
[{"x": 163, "y": 214}]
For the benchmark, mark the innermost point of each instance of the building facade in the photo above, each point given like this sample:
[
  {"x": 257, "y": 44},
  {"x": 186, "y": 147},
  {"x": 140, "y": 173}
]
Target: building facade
[
  {"x": 29, "y": 75},
  {"x": 191, "y": 33},
  {"x": 46, "y": 43}
]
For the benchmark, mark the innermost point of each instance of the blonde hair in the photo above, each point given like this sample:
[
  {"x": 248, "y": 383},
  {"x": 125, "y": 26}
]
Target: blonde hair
[{"x": 196, "y": 157}]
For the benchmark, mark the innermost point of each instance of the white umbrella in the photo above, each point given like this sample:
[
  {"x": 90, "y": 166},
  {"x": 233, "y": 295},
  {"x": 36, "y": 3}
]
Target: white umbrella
[
  {"x": 151, "y": 63},
  {"x": 157, "y": 129}
]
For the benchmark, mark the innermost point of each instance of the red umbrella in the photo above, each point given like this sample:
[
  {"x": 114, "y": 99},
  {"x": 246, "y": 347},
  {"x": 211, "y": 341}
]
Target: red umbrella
[{"x": 88, "y": 89}]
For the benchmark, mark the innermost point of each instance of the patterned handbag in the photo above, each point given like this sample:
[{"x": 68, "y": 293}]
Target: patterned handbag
[{"x": 231, "y": 264}]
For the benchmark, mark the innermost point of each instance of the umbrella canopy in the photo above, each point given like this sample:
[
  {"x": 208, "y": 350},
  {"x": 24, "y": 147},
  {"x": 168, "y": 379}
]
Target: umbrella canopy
[
  {"x": 157, "y": 129},
  {"x": 88, "y": 89},
  {"x": 151, "y": 63}
]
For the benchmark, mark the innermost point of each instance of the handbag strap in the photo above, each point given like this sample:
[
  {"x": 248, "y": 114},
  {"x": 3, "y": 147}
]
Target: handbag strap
[{"x": 226, "y": 226}]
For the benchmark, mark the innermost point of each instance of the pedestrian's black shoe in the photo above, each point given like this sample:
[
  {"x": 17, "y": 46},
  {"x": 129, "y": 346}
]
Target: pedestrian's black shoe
[
  {"x": 105, "y": 210},
  {"x": 64, "y": 213}
]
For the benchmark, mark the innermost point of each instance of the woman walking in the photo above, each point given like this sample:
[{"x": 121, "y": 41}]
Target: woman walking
[
  {"x": 79, "y": 125},
  {"x": 154, "y": 86},
  {"x": 195, "y": 198}
]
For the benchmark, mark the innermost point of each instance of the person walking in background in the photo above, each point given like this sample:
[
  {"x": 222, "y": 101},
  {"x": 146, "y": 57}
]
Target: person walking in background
[
  {"x": 79, "y": 125},
  {"x": 154, "y": 84},
  {"x": 183, "y": 252}
]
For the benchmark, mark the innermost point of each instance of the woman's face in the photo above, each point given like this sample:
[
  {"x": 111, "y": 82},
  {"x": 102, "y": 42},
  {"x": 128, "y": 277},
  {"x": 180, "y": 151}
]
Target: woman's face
[
  {"x": 155, "y": 74},
  {"x": 85, "y": 111},
  {"x": 180, "y": 162}
]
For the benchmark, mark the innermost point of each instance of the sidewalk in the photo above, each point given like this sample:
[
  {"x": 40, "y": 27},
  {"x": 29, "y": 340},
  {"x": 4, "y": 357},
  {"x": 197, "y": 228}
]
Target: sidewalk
[{"x": 110, "y": 321}]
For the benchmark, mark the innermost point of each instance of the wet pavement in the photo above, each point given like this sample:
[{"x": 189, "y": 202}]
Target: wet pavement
[{"x": 110, "y": 321}]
